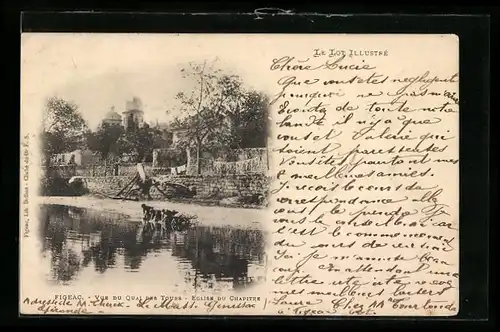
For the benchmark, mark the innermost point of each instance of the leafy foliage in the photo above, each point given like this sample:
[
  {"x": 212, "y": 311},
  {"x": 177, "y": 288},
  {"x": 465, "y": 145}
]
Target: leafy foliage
[
  {"x": 62, "y": 116},
  {"x": 63, "y": 129},
  {"x": 250, "y": 128},
  {"x": 105, "y": 140},
  {"x": 115, "y": 140},
  {"x": 220, "y": 113}
]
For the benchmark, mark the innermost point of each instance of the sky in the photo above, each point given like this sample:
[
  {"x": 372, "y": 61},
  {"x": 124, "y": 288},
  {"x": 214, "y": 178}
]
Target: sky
[
  {"x": 98, "y": 71},
  {"x": 156, "y": 88}
]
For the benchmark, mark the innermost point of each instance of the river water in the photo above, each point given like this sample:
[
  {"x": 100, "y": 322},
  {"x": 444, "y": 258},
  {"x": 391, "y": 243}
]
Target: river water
[{"x": 83, "y": 247}]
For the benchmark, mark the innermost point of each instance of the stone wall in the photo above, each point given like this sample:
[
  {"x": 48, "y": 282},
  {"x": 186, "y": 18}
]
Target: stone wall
[
  {"x": 206, "y": 186},
  {"x": 67, "y": 171},
  {"x": 224, "y": 186},
  {"x": 107, "y": 185}
]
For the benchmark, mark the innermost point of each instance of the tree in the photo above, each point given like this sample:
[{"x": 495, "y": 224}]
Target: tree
[
  {"x": 144, "y": 139},
  {"x": 204, "y": 118},
  {"x": 220, "y": 113},
  {"x": 62, "y": 116},
  {"x": 162, "y": 139},
  {"x": 140, "y": 142},
  {"x": 253, "y": 129},
  {"x": 245, "y": 112},
  {"x": 52, "y": 142},
  {"x": 106, "y": 139},
  {"x": 63, "y": 128}
]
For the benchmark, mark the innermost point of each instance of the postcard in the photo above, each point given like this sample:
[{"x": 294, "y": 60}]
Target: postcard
[{"x": 239, "y": 174}]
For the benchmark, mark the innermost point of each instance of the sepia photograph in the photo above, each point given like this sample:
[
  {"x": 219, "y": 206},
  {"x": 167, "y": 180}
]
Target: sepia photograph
[{"x": 181, "y": 167}]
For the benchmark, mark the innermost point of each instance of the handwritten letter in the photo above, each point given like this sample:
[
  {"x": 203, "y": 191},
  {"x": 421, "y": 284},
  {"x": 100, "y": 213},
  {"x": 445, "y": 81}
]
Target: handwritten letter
[{"x": 365, "y": 197}]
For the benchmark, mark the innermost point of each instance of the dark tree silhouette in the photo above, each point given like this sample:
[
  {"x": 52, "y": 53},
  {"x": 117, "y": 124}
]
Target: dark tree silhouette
[
  {"x": 63, "y": 128},
  {"x": 106, "y": 139},
  {"x": 220, "y": 113}
]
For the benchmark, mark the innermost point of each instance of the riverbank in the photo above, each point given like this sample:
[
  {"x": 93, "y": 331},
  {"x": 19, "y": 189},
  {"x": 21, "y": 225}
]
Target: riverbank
[
  {"x": 206, "y": 215},
  {"x": 231, "y": 202}
]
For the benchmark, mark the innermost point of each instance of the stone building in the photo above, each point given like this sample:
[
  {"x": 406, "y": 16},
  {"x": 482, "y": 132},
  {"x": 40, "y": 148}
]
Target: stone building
[
  {"x": 112, "y": 118},
  {"x": 77, "y": 157},
  {"x": 133, "y": 116}
]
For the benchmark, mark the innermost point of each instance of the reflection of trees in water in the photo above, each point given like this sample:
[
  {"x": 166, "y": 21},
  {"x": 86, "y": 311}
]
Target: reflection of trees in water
[
  {"x": 137, "y": 245},
  {"x": 220, "y": 253},
  {"x": 65, "y": 266},
  {"x": 96, "y": 236},
  {"x": 103, "y": 254},
  {"x": 223, "y": 253}
]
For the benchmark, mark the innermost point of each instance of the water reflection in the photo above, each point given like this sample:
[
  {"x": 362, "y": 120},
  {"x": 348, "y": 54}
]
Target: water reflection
[{"x": 78, "y": 240}]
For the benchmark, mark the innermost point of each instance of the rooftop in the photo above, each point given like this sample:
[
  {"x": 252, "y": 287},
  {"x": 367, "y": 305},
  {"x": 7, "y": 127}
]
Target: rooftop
[
  {"x": 112, "y": 115},
  {"x": 133, "y": 105},
  {"x": 160, "y": 125}
]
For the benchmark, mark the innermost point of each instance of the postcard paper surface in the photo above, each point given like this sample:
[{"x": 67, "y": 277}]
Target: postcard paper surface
[{"x": 213, "y": 174}]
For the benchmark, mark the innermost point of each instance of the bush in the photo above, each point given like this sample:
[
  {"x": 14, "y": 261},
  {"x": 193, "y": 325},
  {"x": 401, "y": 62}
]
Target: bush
[
  {"x": 255, "y": 199},
  {"x": 56, "y": 186}
]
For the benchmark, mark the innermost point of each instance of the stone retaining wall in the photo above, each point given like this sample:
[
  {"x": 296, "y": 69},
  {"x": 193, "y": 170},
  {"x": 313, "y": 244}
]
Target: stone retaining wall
[{"x": 206, "y": 186}]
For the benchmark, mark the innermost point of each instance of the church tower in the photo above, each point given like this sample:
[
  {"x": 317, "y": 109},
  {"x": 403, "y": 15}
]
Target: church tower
[
  {"x": 133, "y": 116},
  {"x": 112, "y": 118}
]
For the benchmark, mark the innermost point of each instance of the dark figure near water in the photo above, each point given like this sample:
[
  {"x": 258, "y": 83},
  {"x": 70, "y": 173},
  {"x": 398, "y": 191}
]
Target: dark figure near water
[
  {"x": 148, "y": 217},
  {"x": 147, "y": 212},
  {"x": 168, "y": 215},
  {"x": 164, "y": 219},
  {"x": 145, "y": 188},
  {"x": 158, "y": 220}
]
